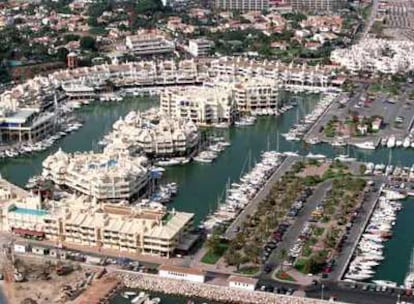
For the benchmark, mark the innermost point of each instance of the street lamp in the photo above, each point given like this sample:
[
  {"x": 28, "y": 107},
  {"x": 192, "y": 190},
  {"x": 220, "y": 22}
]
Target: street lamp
[
  {"x": 322, "y": 287},
  {"x": 398, "y": 298}
]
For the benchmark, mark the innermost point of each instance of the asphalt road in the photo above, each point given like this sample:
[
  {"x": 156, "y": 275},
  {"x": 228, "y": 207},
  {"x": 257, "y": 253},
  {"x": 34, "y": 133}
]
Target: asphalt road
[
  {"x": 231, "y": 231},
  {"x": 295, "y": 229}
]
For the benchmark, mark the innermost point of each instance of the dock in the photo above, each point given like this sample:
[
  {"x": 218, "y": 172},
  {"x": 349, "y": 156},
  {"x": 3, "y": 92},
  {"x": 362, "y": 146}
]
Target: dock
[{"x": 231, "y": 231}]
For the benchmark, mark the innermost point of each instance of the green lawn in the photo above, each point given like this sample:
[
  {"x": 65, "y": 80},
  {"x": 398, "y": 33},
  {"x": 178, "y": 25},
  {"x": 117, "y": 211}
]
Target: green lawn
[
  {"x": 249, "y": 270},
  {"x": 213, "y": 257}
]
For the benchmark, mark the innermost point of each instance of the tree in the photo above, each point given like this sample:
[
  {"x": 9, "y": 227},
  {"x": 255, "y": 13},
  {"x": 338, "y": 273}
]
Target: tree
[
  {"x": 62, "y": 53},
  {"x": 234, "y": 258},
  {"x": 88, "y": 43},
  {"x": 213, "y": 243},
  {"x": 282, "y": 257}
]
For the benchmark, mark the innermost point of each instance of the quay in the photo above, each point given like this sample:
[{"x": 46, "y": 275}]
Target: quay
[
  {"x": 356, "y": 232},
  {"x": 208, "y": 291},
  {"x": 231, "y": 231}
]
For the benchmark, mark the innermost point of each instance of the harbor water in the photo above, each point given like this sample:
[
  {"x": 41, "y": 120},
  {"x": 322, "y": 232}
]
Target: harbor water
[{"x": 202, "y": 185}]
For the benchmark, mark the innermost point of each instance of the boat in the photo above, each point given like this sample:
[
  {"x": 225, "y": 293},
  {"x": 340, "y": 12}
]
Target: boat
[
  {"x": 345, "y": 158},
  {"x": 141, "y": 298},
  {"x": 409, "y": 279},
  {"x": 385, "y": 283},
  {"x": 394, "y": 195},
  {"x": 168, "y": 162},
  {"x": 222, "y": 125},
  {"x": 391, "y": 142},
  {"x": 407, "y": 142},
  {"x": 315, "y": 156},
  {"x": 367, "y": 145},
  {"x": 130, "y": 293}
]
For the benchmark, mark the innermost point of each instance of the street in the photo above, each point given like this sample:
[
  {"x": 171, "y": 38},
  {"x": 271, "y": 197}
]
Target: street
[{"x": 295, "y": 229}]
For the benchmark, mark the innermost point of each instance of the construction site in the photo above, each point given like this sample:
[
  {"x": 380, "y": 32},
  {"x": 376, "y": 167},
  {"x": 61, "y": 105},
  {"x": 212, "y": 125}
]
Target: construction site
[{"x": 31, "y": 280}]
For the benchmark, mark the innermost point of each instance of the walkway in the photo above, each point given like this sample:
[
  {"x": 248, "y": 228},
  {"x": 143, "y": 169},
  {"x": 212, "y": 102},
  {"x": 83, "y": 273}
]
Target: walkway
[{"x": 231, "y": 231}]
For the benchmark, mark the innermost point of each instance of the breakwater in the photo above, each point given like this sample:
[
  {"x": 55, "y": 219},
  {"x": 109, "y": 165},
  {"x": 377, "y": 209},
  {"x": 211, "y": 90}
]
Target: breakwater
[{"x": 211, "y": 292}]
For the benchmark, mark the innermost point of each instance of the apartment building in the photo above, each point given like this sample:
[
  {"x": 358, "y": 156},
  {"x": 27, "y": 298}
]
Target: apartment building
[
  {"x": 317, "y": 5},
  {"x": 76, "y": 221},
  {"x": 200, "y": 47},
  {"x": 377, "y": 55},
  {"x": 202, "y": 105},
  {"x": 256, "y": 94},
  {"x": 171, "y": 136},
  {"x": 149, "y": 44},
  {"x": 241, "y": 5},
  {"x": 102, "y": 176}
]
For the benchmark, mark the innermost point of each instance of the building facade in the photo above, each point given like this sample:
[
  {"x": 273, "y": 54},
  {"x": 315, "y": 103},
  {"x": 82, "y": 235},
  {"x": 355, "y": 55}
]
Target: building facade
[
  {"x": 149, "y": 44},
  {"x": 200, "y": 47},
  {"x": 241, "y": 5},
  {"x": 76, "y": 221},
  {"x": 102, "y": 176},
  {"x": 202, "y": 105},
  {"x": 317, "y": 5}
]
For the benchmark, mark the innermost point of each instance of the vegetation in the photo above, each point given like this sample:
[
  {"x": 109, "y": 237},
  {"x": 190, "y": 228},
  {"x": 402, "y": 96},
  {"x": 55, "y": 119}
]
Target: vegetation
[
  {"x": 247, "y": 245},
  {"x": 216, "y": 248},
  {"x": 249, "y": 270},
  {"x": 284, "y": 276}
]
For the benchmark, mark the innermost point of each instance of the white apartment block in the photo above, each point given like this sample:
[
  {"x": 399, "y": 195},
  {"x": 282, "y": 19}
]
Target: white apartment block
[
  {"x": 317, "y": 5},
  {"x": 242, "y": 5},
  {"x": 202, "y": 105},
  {"x": 377, "y": 55},
  {"x": 200, "y": 47},
  {"x": 257, "y": 93},
  {"x": 102, "y": 176},
  {"x": 149, "y": 44},
  {"x": 132, "y": 230},
  {"x": 290, "y": 75},
  {"x": 169, "y": 137}
]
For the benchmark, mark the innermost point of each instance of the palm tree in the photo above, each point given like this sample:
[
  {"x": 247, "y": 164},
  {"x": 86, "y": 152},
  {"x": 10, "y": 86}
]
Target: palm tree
[{"x": 282, "y": 257}]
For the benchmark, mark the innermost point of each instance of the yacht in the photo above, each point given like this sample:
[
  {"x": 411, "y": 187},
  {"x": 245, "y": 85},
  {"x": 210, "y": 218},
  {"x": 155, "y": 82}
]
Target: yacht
[
  {"x": 385, "y": 283},
  {"x": 409, "y": 279},
  {"x": 345, "y": 158},
  {"x": 407, "y": 142},
  {"x": 367, "y": 145},
  {"x": 391, "y": 142},
  {"x": 315, "y": 156}
]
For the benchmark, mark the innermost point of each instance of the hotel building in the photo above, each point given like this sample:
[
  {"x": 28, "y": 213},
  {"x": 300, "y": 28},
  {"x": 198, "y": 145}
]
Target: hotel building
[
  {"x": 317, "y": 5},
  {"x": 168, "y": 137},
  {"x": 149, "y": 44},
  {"x": 102, "y": 176},
  {"x": 202, "y": 105},
  {"x": 80, "y": 222}
]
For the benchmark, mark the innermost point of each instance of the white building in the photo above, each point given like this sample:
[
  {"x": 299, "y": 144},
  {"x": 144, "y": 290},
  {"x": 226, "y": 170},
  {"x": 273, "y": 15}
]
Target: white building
[
  {"x": 202, "y": 105},
  {"x": 149, "y": 44},
  {"x": 78, "y": 221},
  {"x": 168, "y": 137},
  {"x": 256, "y": 94},
  {"x": 200, "y": 47},
  {"x": 103, "y": 176},
  {"x": 377, "y": 55},
  {"x": 182, "y": 273},
  {"x": 244, "y": 283}
]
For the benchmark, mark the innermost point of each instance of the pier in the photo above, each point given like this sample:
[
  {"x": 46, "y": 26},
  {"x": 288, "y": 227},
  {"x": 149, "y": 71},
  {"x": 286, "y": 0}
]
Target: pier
[
  {"x": 355, "y": 234},
  {"x": 231, "y": 231}
]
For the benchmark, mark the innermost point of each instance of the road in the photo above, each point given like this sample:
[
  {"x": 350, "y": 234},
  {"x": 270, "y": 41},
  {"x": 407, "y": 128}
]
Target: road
[
  {"x": 295, "y": 229},
  {"x": 231, "y": 231},
  {"x": 371, "y": 19}
]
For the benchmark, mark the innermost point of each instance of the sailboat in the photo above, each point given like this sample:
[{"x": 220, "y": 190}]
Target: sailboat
[{"x": 409, "y": 279}]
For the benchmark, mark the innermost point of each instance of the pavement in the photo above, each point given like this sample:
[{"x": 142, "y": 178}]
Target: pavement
[
  {"x": 231, "y": 231},
  {"x": 295, "y": 229}
]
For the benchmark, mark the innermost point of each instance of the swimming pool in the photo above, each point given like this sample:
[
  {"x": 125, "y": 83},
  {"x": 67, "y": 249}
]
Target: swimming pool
[{"x": 27, "y": 211}]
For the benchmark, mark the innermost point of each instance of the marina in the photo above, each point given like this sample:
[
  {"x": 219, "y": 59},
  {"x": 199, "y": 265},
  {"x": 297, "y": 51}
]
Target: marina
[{"x": 253, "y": 139}]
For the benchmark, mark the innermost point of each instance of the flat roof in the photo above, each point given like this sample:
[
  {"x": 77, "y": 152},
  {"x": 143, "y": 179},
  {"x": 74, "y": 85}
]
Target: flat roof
[
  {"x": 241, "y": 279},
  {"x": 180, "y": 269},
  {"x": 20, "y": 116}
]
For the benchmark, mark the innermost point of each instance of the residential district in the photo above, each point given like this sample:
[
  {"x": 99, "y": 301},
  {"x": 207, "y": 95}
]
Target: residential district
[{"x": 244, "y": 151}]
